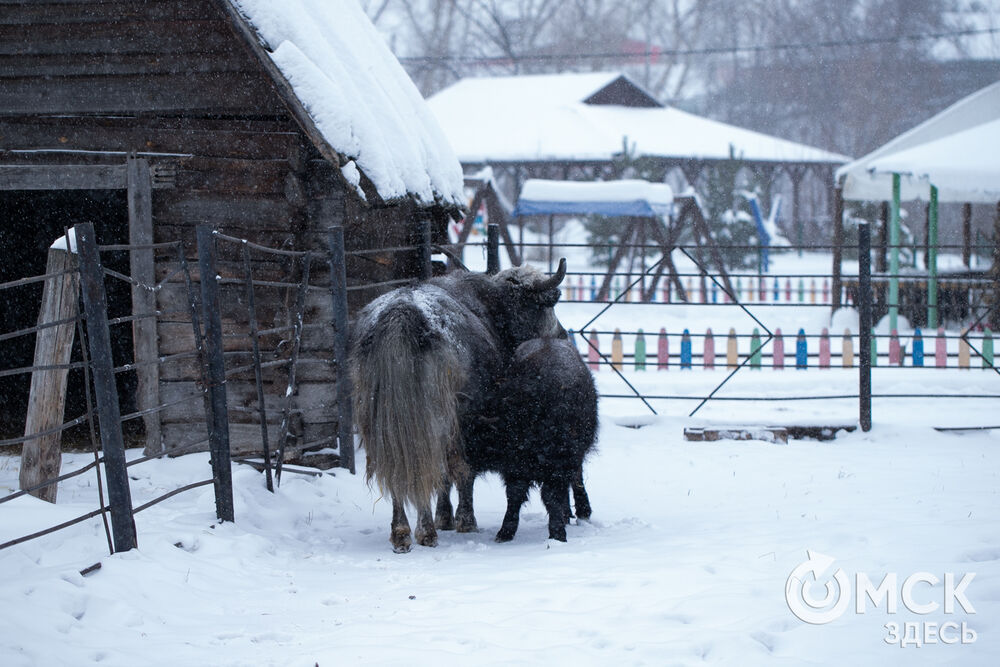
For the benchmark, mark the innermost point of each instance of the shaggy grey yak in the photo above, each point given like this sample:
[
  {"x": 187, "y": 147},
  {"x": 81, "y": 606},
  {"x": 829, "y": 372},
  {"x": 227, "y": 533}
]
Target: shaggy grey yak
[{"x": 422, "y": 359}]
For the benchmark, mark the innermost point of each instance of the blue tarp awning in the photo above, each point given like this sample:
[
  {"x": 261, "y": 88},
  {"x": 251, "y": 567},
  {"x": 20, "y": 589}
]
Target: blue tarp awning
[{"x": 611, "y": 198}]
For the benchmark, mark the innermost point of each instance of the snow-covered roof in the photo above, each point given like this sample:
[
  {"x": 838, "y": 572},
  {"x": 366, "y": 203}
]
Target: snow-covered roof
[
  {"x": 540, "y": 118},
  {"x": 965, "y": 165},
  {"x": 630, "y": 197},
  {"x": 861, "y": 181},
  {"x": 360, "y": 100}
]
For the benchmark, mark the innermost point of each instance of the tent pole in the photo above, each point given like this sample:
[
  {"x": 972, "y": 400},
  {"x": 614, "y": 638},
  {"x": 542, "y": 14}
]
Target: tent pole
[
  {"x": 894, "y": 256},
  {"x": 932, "y": 246}
]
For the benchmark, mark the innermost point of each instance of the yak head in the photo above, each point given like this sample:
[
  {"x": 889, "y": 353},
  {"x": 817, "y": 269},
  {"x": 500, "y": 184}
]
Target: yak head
[{"x": 523, "y": 303}]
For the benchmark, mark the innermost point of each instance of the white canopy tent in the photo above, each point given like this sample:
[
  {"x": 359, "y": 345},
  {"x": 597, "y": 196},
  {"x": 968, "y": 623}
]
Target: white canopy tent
[
  {"x": 964, "y": 166},
  {"x": 861, "y": 181},
  {"x": 951, "y": 157}
]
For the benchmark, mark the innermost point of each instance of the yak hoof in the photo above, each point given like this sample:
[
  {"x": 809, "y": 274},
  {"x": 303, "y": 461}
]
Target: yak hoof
[
  {"x": 503, "y": 536},
  {"x": 429, "y": 539},
  {"x": 444, "y": 522},
  {"x": 467, "y": 525},
  {"x": 558, "y": 534},
  {"x": 400, "y": 541}
]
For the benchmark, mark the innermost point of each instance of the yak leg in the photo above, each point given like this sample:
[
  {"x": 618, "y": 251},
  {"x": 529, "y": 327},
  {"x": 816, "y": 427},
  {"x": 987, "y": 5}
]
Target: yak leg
[
  {"x": 465, "y": 516},
  {"x": 400, "y": 529},
  {"x": 555, "y": 496},
  {"x": 580, "y": 498},
  {"x": 425, "y": 534},
  {"x": 444, "y": 515},
  {"x": 517, "y": 495}
]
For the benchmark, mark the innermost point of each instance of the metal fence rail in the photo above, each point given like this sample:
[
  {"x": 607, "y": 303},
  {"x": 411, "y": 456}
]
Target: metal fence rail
[{"x": 971, "y": 300}]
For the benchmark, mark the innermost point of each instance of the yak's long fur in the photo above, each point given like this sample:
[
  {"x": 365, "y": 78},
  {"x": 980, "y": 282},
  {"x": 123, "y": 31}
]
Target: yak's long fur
[
  {"x": 422, "y": 357},
  {"x": 538, "y": 430}
]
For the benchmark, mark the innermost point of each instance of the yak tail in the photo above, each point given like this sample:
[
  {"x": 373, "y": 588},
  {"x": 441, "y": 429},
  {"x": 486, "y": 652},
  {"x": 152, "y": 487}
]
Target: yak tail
[{"x": 406, "y": 384}]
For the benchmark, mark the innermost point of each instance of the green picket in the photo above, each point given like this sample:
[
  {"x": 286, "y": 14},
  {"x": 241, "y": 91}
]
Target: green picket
[
  {"x": 755, "y": 347},
  {"x": 640, "y": 351}
]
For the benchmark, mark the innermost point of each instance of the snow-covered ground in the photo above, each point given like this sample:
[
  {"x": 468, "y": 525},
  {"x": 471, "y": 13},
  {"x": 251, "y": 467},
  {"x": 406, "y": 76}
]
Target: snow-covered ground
[{"x": 687, "y": 560}]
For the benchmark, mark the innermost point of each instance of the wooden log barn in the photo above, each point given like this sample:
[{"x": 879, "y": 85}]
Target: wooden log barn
[{"x": 270, "y": 122}]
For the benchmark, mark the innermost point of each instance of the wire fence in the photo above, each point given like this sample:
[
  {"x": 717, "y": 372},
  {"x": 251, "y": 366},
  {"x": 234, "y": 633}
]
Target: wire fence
[
  {"x": 250, "y": 363},
  {"x": 68, "y": 339},
  {"x": 749, "y": 302},
  {"x": 272, "y": 320}
]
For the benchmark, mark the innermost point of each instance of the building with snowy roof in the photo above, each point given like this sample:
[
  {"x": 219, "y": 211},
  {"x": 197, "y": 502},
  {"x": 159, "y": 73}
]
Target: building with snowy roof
[{"x": 269, "y": 121}]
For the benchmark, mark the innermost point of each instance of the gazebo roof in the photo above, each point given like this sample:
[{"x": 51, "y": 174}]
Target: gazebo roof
[{"x": 586, "y": 117}]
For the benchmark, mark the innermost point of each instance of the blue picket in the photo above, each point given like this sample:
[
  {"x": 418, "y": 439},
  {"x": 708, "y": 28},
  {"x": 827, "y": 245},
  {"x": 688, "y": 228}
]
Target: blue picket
[
  {"x": 918, "y": 348},
  {"x": 686, "y": 349},
  {"x": 801, "y": 351}
]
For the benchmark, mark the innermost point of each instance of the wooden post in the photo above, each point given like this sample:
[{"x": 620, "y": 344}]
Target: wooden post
[
  {"x": 218, "y": 430},
  {"x": 967, "y": 235},
  {"x": 492, "y": 248},
  {"x": 144, "y": 336},
  {"x": 95, "y": 305},
  {"x": 424, "y": 268},
  {"x": 41, "y": 457},
  {"x": 882, "y": 256},
  {"x": 994, "y": 318},
  {"x": 338, "y": 288},
  {"x": 894, "y": 241},
  {"x": 931, "y": 257},
  {"x": 838, "y": 246}
]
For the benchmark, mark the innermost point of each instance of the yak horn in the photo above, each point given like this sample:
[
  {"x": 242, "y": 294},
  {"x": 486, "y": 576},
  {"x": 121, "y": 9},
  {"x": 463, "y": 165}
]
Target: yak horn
[{"x": 554, "y": 279}]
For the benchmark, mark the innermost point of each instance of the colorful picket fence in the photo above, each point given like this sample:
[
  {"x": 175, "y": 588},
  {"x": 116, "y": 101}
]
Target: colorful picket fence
[{"x": 801, "y": 352}]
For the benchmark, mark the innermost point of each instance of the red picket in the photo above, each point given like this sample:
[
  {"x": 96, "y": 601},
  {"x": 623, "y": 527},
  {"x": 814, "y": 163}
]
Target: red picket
[
  {"x": 895, "y": 351},
  {"x": 824, "y": 349},
  {"x": 593, "y": 358},
  {"x": 708, "y": 361},
  {"x": 941, "y": 349},
  {"x": 662, "y": 351},
  {"x": 779, "y": 350}
]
